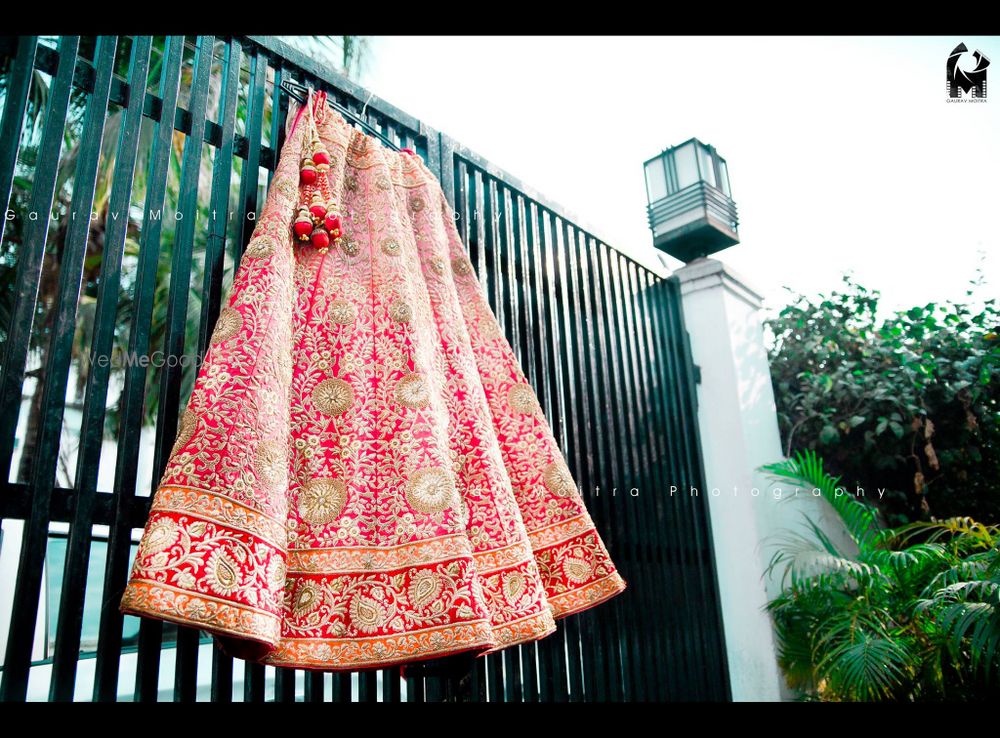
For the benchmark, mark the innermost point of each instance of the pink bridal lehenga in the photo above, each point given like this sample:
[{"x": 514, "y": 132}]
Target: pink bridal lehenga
[{"x": 363, "y": 475}]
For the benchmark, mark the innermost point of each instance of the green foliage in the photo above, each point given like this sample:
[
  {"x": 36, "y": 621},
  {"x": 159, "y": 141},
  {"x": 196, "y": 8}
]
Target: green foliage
[
  {"x": 912, "y": 615},
  {"x": 910, "y": 404}
]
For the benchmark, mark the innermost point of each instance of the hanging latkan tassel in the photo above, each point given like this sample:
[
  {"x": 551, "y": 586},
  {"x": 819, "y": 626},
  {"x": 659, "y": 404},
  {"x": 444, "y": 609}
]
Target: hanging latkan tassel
[
  {"x": 332, "y": 223},
  {"x": 318, "y": 208},
  {"x": 320, "y": 158},
  {"x": 308, "y": 172},
  {"x": 303, "y": 225},
  {"x": 318, "y": 222},
  {"x": 310, "y": 177}
]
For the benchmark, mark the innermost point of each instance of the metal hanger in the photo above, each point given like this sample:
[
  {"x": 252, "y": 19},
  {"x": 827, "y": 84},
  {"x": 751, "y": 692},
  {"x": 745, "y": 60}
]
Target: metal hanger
[{"x": 299, "y": 92}]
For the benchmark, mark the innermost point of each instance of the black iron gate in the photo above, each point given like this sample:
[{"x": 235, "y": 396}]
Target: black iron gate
[{"x": 148, "y": 126}]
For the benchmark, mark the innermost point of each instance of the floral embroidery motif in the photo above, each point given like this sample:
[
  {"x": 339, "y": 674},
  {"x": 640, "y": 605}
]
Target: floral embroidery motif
[
  {"x": 228, "y": 325},
  {"x": 351, "y": 183},
  {"x": 159, "y": 536},
  {"x": 342, "y": 312},
  {"x": 349, "y": 246},
  {"x": 276, "y": 573},
  {"x": 322, "y": 500},
  {"x": 438, "y": 264},
  {"x": 383, "y": 182},
  {"x": 514, "y": 586},
  {"x": 424, "y": 588},
  {"x": 521, "y": 398},
  {"x": 577, "y": 570},
  {"x": 261, "y": 247},
  {"x": 412, "y": 392},
  {"x": 400, "y": 311},
  {"x": 286, "y": 187},
  {"x": 271, "y": 469},
  {"x": 558, "y": 479},
  {"x": 283, "y": 362},
  {"x": 223, "y": 575},
  {"x": 308, "y": 598},
  {"x": 460, "y": 265},
  {"x": 333, "y": 396},
  {"x": 431, "y": 490},
  {"x": 367, "y": 613},
  {"x": 416, "y": 203},
  {"x": 390, "y": 246}
]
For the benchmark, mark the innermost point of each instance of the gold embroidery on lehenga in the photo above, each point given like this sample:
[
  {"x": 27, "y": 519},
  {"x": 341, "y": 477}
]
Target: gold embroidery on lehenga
[
  {"x": 333, "y": 396},
  {"x": 349, "y": 246},
  {"x": 185, "y": 430},
  {"x": 222, "y": 573},
  {"x": 367, "y": 614},
  {"x": 351, "y": 183},
  {"x": 460, "y": 265},
  {"x": 400, "y": 310},
  {"x": 228, "y": 325},
  {"x": 270, "y": 463},
  {"x": 261, "y": 247},
  {"x": 287, "y": 188},
  {"x": 412, "y": 392},
  {"x": 276, "y": 573},
  {"x": 283, "y": 362},
  {"x": 577, "y": 570},
  {"x": 438, "y": 264},
  {"x": 308, "y": 598},
  {"x": 390, "y": 246},
  {"x": 513, "y": 587},
  {"x": 521, "y": 398},
  {"x": 424, "y": 588},
  {"x": 160, "y": 536},
  {"x": 322, "y": 500},
  {"x": 383, "y": 182},
  {"x": 558, "y": 479},
  {"x": 416, "y": 203},
  {"x": 342, "y": 312},
  {"x": 489, "y": 328},
  {"x": 431, "y": 490}
]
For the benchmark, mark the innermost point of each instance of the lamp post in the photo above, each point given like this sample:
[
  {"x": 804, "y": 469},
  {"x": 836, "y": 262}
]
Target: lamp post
[{"x": 691, "y": 209}]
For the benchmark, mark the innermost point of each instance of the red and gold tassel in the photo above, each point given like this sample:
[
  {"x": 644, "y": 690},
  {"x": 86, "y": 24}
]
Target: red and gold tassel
[{"x": 318, "y": 222}]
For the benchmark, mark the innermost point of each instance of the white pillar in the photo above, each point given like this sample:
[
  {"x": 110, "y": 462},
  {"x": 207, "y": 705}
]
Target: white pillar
[{"x": 739, "y": 432}]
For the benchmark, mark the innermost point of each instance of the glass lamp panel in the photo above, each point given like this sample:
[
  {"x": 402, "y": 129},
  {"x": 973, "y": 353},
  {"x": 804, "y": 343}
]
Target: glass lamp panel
[
  {"x": 656, "y": 180},
  {"x": 707, "y": 168},
  {"x": 724, "y": 176},
  {"x": 686, "y": 165}
]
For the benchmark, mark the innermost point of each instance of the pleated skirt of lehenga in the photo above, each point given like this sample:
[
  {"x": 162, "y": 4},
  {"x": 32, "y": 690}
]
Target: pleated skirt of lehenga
[{"x": 363, "y": 475}]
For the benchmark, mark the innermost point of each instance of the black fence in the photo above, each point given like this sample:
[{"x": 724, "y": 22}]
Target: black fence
[{"x": 139, "y": 124}]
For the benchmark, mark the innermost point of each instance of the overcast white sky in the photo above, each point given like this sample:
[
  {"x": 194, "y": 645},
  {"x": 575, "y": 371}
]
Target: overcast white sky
[{"x": 842, "y": 151}]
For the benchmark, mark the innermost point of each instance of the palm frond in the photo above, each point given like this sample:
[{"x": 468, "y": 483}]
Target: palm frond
[
  {"x": 805, "y": 468},
  {"x": 869, "y": 667}
]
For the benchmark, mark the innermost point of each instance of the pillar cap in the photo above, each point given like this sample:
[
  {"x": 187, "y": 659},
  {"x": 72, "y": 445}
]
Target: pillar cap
[{"x": 707, "y": 273}]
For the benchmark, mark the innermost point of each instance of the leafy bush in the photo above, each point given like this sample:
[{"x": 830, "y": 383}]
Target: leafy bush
[
  {"x": 913, "y": 615},
  {"x": 910, "y": 404}
]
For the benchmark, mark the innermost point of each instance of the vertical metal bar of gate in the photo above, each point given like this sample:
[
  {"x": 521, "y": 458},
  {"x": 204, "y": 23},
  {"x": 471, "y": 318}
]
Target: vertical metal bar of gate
[
  {"x": 133, "y": 398},
  {"x": 34, "y": 541},
  {"x": 71, "y": 273}
]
